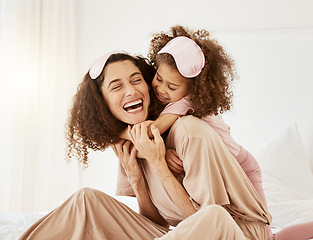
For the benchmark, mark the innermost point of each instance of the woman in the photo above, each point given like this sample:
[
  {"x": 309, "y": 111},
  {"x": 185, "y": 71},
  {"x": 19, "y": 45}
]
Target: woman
[{"x": 212, "y": 197}]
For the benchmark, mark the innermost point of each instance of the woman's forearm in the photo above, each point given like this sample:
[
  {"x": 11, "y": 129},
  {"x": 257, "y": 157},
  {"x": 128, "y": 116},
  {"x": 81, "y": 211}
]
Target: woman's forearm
[
  {"x": 146, "y": 207},
  {"x": 176, "y": 191},
  {"x": 133, "y": 170}
]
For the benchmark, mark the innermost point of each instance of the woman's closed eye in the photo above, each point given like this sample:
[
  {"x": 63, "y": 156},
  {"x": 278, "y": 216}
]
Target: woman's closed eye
[
  {"x": 116, "y": 87},
  {"x": 119, "y": 86},
  {"x": 136, "y": 81}
]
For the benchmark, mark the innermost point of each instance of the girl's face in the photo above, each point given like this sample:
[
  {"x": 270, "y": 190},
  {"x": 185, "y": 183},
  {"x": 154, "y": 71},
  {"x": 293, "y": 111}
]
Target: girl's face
[
  {"x": 169, "y": 85},
  {"x": 126, "y": 92}
]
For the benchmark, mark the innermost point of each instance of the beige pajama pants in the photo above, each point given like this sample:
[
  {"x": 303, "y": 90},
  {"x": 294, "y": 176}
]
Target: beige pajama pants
[{"x": 91, "y": 214}]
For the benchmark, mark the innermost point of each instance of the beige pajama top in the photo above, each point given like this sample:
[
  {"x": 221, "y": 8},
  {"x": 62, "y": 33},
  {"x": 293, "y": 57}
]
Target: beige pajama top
[{"x": 212, "y": 176}]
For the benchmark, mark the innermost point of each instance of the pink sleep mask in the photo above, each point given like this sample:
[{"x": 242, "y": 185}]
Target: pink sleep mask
[
  {"x": 97, "y": 67},
  {"x": 188, "y": 56}
]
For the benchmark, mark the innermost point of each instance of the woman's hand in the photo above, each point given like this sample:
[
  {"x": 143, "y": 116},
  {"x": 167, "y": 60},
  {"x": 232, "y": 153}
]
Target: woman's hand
[
  {"x": 126, "y": 152},
  {"x": 152, "y": 149},
  {"x": 173, "y": 162},
  {"x": 125, "y": 133}
]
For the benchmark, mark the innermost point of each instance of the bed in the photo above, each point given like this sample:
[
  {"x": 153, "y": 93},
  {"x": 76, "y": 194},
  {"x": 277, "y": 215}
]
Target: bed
[{"x": 287, "y": 181}]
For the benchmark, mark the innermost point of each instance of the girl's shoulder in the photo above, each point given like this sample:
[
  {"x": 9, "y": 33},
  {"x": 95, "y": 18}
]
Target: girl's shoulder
[
  {"x": 216, "y": 119},
  {"x": 180, "y": 107}
]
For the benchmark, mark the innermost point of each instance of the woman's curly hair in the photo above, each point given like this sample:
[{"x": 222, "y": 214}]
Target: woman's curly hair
[
  {"x": 90, "y": 124},
  {"x": 210, "y": 92}
]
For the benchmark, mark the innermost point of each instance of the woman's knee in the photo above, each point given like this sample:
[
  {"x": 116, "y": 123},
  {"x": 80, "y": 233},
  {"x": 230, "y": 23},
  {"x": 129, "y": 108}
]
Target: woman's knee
[
  {"x": 218, "y": 215},
  {"x": 213, "y": 214},
  {"x": 215, "y": 211},
  {"x": 89, "y": 193},
  {"x": 86, "y": 191}
]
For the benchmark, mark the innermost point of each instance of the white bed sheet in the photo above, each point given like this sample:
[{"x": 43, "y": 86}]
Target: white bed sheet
[{"x": 12, "y": 225}]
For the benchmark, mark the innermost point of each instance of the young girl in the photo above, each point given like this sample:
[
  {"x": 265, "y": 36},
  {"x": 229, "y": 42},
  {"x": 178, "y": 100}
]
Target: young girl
[
  {"x": 194, "y": 76},
  {"x": 190, "y": 80}
]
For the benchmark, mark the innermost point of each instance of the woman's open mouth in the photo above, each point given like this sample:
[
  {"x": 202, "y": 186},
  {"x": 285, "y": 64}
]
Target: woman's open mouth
[{"x": 133, "y": 106}]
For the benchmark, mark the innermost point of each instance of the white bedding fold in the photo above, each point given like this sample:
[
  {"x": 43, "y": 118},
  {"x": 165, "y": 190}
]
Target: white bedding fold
[{"x": 291, "y": 212}]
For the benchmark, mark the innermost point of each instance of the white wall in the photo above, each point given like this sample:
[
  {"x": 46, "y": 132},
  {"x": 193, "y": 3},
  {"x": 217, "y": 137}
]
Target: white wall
[
  {"x": 271, "y": 42},
  {"x": 275, "y": 85}
]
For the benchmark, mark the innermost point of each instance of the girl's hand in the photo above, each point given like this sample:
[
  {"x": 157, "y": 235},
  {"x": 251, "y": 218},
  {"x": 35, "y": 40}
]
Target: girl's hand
[
  {"x": 152, "y": 149},
  {"x": 149, "y": 124},
  {"x": 173, "y": 162},
  {"x": 125, "y": 134},
  {"x": 126, "y": 152}
]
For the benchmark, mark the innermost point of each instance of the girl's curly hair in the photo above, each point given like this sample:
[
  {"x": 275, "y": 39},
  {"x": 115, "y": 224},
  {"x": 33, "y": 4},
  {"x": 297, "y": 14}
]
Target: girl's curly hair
[
  {"x": 90, "y": 123},
  {"x": 210, "y": 92}
]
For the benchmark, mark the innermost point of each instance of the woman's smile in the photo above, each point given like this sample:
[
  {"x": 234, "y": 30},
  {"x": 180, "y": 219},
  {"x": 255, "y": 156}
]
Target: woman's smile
[{"x": 133, "y": 106}]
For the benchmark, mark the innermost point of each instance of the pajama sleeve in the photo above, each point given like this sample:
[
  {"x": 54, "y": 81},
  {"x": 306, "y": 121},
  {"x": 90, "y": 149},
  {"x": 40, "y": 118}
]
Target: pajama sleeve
[{"x": 182, "y": 107}]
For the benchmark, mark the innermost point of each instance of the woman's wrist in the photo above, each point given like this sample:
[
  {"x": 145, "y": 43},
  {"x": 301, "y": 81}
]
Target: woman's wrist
[
  {"x": 162, "y": 171},
  {"x": 137, "y": 183},
  {"x": 135, "y": 179}
]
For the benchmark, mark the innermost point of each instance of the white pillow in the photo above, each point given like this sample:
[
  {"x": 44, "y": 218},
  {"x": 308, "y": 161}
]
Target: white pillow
[
  {"x": 285, "y": 170},
  {"x": 287, "y": 178}
]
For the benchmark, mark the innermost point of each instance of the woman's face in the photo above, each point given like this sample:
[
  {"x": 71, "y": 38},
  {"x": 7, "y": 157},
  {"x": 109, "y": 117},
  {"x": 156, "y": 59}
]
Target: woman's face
[
  {"x": 169, "y": 85},
  {"x": 126, "y": 92}
]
